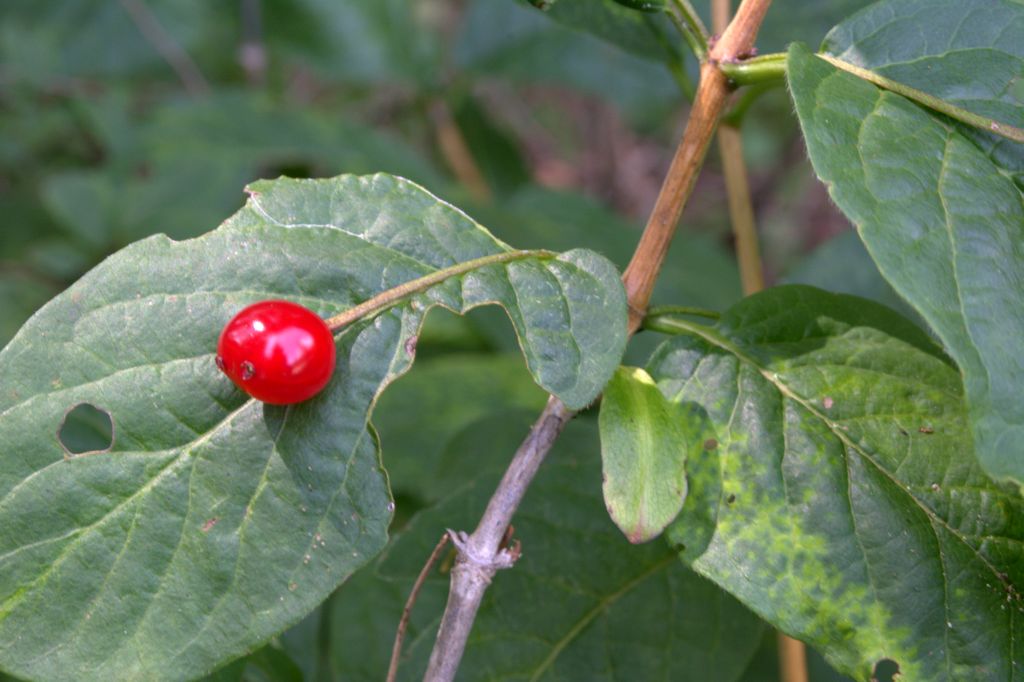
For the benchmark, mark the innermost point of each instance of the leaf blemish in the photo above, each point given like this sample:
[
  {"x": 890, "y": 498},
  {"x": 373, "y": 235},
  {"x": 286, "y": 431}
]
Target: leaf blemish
[{"x": 886, "y": 670}]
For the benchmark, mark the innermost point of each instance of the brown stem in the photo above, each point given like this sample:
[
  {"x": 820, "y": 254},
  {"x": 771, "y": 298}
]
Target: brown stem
[
  {"x": 737, "y": 186},
  {"x": 480, "y": 555},
  {"x": 178, "y": 59},
  {"x": 792, "y": 653},
  {"x": 642, "y": 271},
  {"x": 456, "y": 152},
  {"x": 403, "y": 624},
  {"x": 792, "y": 659},
  {"x": 741, "y": 209}
]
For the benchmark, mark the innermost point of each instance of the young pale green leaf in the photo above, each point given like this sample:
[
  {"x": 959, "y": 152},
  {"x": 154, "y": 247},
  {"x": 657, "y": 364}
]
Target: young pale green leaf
[
  {"x": 843, "y": 502},
  {"x": 944, "y": 222},
  {"x": 644, "y": 444},
  {"x": 214, "y": 521},
  {"x": 581, "y": 603}
]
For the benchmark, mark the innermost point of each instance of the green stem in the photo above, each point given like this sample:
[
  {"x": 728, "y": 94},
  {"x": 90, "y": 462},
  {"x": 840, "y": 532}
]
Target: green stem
[
  {"x": 676, "y": 326},
  {"x": 923, "y": 98},
  {"x": 686, "y": 20},
  {"x": 388, "y": 298},
  {"x": 664, "y": 310},
  {"x": 673, "y": 59},
  {"x": 769, "y": 69}
]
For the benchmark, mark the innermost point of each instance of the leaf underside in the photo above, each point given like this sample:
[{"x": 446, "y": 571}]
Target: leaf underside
[
  {"x": 938, "y": 204},
  {"x": 842, "y": 502},
  {"x": 215, "y": 521}
]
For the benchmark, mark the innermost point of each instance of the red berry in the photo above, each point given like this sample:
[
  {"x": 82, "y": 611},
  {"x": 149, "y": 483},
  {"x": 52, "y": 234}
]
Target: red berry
[{"x": 278, "y": 352}]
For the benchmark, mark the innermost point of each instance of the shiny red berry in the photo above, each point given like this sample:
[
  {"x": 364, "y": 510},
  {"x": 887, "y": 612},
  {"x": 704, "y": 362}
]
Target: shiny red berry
[{"x": 278, "y": 352}]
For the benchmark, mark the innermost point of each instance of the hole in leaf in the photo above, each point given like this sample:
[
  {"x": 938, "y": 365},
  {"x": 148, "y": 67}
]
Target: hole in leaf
[
  {"x": 886, "y": 670},
  {"x": 86, "y": 429}
]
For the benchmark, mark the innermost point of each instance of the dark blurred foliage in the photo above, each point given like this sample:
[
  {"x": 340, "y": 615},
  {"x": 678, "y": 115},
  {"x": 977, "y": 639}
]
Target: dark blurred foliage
[{"x": 124, "y": 118}]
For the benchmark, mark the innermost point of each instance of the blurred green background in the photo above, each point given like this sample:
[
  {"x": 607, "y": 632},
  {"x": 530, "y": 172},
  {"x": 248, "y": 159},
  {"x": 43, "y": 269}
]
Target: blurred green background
[{"x": 125, "y": 118}]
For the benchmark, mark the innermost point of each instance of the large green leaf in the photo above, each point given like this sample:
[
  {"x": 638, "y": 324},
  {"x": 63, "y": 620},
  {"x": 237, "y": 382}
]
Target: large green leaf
[
  {"x": 215, "y": 521},
  {"x": 941, "y": 218},
  {"x": 967, "y": 52},
  {"x": 580, "y": 604},
  {"x": 842, "y": 502}
]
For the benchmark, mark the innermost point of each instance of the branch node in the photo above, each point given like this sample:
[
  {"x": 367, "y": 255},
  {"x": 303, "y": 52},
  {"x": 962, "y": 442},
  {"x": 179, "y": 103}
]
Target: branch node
[{"x": 484, "y": 564}]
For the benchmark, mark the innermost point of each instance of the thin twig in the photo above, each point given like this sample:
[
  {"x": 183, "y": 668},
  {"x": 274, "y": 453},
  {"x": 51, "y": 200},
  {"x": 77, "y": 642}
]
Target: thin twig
[
  {"x": 480, "y": 555},
  {"x": 175, "y": 56},
  {"x": 403, "y": 624}
]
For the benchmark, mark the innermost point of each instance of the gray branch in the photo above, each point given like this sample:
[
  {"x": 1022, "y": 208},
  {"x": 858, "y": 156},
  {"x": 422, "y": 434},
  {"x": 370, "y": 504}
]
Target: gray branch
[{"x": 481, "y": 554}]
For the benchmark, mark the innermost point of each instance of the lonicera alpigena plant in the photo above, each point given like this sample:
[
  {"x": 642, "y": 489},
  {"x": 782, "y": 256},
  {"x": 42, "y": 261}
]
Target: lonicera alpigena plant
[{"x": 850, "y": 477}]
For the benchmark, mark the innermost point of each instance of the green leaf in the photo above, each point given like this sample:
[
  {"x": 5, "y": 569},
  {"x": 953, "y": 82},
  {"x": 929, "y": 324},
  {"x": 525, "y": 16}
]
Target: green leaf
[
  {"x": 942, "y": 220},
  {"x": 969, "y": 53},
  {"x": 206, "y": 150},
  {"x": 843, "y": 266},
  {"x": 510, "y": 40},
  {"x": 359, "y": 43},
  {"x": 215, "y": 521},
  {"x": 842, "y": 502},
  {"x": 629, "y": 27},
  {"x": 495, "y": 150},
  {"x": 799, "y": 20},
  {"x": 43, "y": 42},
  {"x": 580, "y": 604},
  {"x": 644, "y": 444}
]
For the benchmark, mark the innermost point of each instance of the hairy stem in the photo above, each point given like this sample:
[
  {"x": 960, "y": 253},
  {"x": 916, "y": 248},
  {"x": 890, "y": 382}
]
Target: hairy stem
[{"x": 480, "y": 554}]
